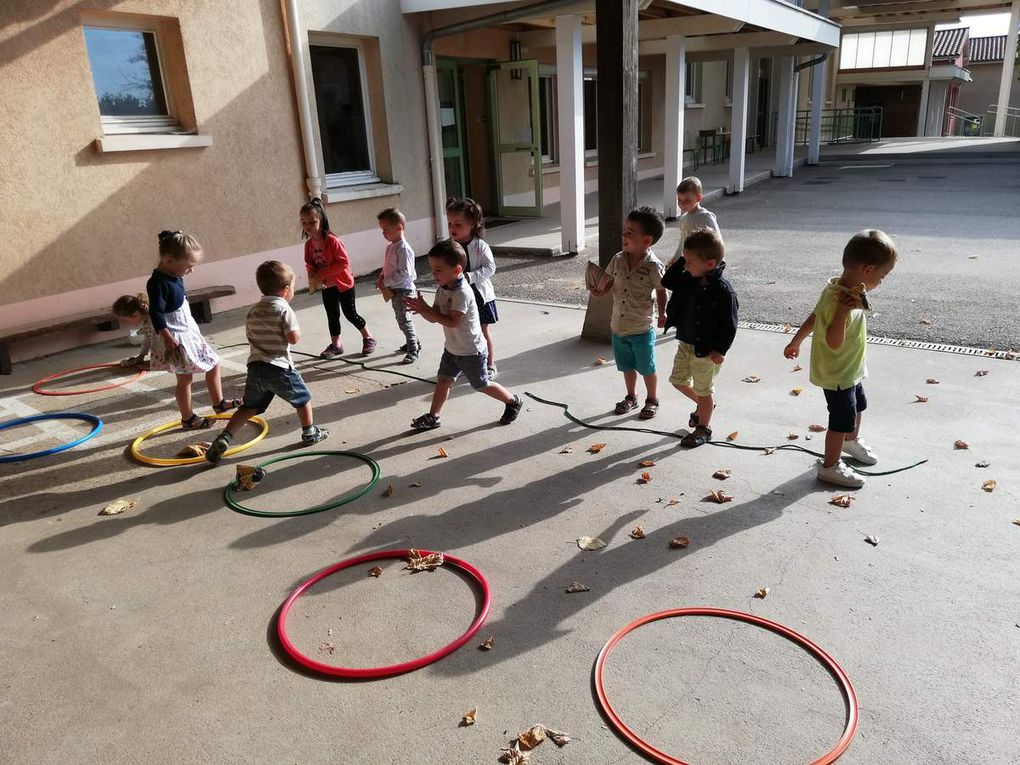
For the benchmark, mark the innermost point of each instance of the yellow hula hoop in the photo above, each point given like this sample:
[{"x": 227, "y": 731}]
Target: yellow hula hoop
[{"x": 175, "y": 461}]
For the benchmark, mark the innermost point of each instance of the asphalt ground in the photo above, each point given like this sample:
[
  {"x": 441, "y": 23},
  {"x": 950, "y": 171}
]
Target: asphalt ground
[{"x": 956, "y": 224}]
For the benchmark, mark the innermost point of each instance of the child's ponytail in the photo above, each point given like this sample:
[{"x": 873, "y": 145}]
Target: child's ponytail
[
  {"x": 129, "y": 305},
  {"x": 315, "y": 207},
  {"x": 471, "y": 210},
  {"x": 177, "y": 244}
]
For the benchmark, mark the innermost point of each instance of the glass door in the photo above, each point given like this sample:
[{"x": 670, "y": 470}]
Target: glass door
[
  {"x": 516, "y": 131},
  {"x": 450, "y": 121}
]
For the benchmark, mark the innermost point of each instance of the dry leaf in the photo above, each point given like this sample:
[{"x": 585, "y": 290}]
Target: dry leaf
[
  {"x": 752, "y": 379},
  {"x": 679, "y": 543},
  {"x": 797, "y": 368},
  {"x": 352, "y": 391},
  {"x": 375, "y": 571},
  {"x": 567, "y": 450},
  {"x": 733, "y": 436},
  {"x": 513, "y": 755},
  {"x": 932, "y": 381},
  {"x": 327, "y": 648},
  {"x": 488, "y": 643},
  {"x": 600, "y": 362},
  {"x": 195, "y": 450},
  {"x": 792, "y": 437},
  {"x": 442, "y": 452},
  {"x": 924, "y": 321},
  {"x": 981, "y": 464},
  {"x": 763, "y": 592},
  {"x": 576, "y": 587},
  {"x": 388, "y": 491},
  {"x": 590, "y": 543},
  {"x": 842, "y": 500},
  {"x": 1016, "y": 521},
  {"x": 469, "y": 717},
  {"x": 118, "y": 506},
  {"x": 646, "y": 463},
  {"x": 596, "y": 448},
  {"x": 921, "y": 399},
  {"x": 796, "y": 391},
  {"x": 718, "y": 496},
  {"x": 672, "y": 502},
  {"x": 990, "y": 484},
  {"x": 645, "y": 478},
  {"x": 787, "y": 328},
  {"x": 532, "y": 737},
  {"x": 249, "y": 476},
  {"x": 981, "y": 373},
  {"x": 416, "y": 561},
  {"x": 959, "y": 444},
  {"x": 415, "y": 485},
  {"x": 722, "y": 475},
  {"x": 872, "y": 540},
  {"x": 768, "y": 450},
  {"x": 816, "y": 428},
  {"x": 637, "y": 533}
]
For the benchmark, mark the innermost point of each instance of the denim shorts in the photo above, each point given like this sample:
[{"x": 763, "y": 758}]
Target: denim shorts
[
  {"x": 473, "y": 367},
  {"x": 268, "y": 380},
  {"x": 635, "y": 352},
  {"x": 844, "y": 406}
]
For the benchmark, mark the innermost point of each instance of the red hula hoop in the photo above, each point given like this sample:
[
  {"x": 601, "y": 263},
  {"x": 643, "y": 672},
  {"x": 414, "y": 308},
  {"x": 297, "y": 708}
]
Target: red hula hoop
[
  {"x": 824, "y": 659},
  {"x": 392, "y": 669},
  {"x": 38, "y": 387}
]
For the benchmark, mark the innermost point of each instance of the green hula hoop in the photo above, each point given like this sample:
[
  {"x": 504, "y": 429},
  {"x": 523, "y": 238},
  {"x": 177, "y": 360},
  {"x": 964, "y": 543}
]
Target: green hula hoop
[{"x": 236, "y": 506}]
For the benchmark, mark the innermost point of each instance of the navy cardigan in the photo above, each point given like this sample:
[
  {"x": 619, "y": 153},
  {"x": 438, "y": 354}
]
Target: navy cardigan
[{"x": 715, "y": 307}]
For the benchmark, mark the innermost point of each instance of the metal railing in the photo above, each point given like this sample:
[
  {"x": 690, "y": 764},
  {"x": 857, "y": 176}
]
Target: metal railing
[
  {"x": 962, "y": 123},
  {"x": 1012, "y": 121},
  {"x": 860, "y": 124}
]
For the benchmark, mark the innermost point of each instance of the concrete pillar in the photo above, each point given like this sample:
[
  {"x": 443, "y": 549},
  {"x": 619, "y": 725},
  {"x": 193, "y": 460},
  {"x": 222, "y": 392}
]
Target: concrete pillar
[
  {"x": 676, "y": 85},
  {"x": 818, "y": 98},
  {"x": 1008, "y": 65},
  {"x": 922, "y": 108},
  {"x": 570, "y": 106},
  {"x": 738, "y": 118},
  {"x": 786, "y": 120}
]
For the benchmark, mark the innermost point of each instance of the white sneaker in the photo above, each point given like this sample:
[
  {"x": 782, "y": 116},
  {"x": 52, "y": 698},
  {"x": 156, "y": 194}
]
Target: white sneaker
[
  {"x": 839, "y": 474},
  {"x": 859, "y": 452}
]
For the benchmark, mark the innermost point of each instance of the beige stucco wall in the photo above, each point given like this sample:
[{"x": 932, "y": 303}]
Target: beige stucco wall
[{"x": 983, "y": 90}]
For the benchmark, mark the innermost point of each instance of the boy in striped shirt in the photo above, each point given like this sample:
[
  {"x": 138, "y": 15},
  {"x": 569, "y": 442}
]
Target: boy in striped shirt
[{"x": 271, "y": 328}]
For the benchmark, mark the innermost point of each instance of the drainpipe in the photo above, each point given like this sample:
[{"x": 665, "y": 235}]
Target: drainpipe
[
  {"x": 297, "y": 57},
  {"x": 432, "y": 91}
]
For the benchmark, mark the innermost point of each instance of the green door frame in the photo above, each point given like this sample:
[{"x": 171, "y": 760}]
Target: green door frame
[
  {"x": 459, "y": 151},
  {"x": 530, "y": 69}
]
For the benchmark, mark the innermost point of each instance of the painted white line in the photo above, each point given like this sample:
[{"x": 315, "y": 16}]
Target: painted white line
[{"x": 865, "y": 167}]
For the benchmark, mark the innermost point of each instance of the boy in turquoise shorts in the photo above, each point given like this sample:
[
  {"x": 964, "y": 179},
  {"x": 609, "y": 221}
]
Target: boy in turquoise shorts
[
  {"x": 635, "y": 276},
  {"x": 838, "y": 349}
]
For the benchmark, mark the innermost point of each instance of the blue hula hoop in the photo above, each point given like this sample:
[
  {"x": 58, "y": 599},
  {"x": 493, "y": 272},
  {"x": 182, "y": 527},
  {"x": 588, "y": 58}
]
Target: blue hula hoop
[{"x": 97, "y": 426}]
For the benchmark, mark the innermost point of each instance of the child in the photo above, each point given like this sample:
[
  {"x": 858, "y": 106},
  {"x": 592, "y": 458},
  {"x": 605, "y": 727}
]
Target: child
[
  {"x": 397, "y": 276},
  {"x": 464, "y": 351},
  {"x": 327, "y": 262},
  {"x": 703, "y": 308},
  {"x": 635, "y": 274},
  {"x": 838, "y": 349},
  {"x": 693, "y": 216},
  {"x": 178, "y": 345},
  {"x": 133, "y": 310},
  {"x": 271, "y": 327},
  {"x": 464, "y": 222}
]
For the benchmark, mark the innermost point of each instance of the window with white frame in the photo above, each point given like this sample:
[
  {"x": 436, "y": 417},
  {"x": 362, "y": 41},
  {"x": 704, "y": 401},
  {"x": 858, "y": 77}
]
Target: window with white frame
[
  {"x": 547, "y": 110},
  {"x": 692, "y": 83},
  {"x": 591, "y": 115},
  {"x": 883, "y": 50},
  {"x": 345, "y": 131},
  {"x": 129, "y": 82}
]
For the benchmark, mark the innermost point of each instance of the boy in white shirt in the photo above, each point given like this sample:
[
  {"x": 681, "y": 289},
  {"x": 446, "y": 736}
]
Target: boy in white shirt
[
  {"x": 693, "y": 216},
  {"x": 397, "y": 276},
  {"x": 465, "y": 351}
]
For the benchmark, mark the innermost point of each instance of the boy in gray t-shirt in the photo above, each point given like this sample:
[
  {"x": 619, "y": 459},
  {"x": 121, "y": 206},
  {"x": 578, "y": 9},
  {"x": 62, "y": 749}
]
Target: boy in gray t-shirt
[
  {"x": 465, "y": 351},
  {"x": 693, "y": 216}
]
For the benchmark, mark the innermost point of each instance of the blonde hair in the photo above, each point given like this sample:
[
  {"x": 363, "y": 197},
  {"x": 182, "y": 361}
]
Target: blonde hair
[
  {"x": 177, "y": 245},
  {"x": 129, "y": 305},
  {"x": 691, "y": 185},
  {"x": 273, "y": 277}
]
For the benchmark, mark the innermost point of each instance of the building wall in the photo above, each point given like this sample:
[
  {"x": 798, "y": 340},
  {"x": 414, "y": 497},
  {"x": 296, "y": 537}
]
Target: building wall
[{"x": 975, "y": 96}]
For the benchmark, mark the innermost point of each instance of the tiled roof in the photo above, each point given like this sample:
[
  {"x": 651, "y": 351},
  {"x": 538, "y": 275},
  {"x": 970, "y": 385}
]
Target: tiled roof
[
  {"x": 948, "y": 43},
  {"x": 986, "y": 49}
]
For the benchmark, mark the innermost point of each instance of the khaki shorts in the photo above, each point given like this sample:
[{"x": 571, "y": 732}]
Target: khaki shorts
[{"x": 688, "y": 369}]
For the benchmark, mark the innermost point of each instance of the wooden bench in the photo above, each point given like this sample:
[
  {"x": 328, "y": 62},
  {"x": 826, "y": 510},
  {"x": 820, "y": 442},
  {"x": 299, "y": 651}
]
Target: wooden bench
[{"x": 101, "y": 321}]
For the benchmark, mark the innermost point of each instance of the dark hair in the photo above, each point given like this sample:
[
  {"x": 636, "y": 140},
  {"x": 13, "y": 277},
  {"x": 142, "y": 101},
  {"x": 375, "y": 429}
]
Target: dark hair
[
  {"x": 451, "y": 252},
  {"x": 471, "y": 210},
  {"x": 315, "y": 207},
  {"x": 272, "y": 276},
  {"x": 705, "y": 243},
  {"x": 691, "y": 185},
  {"x": 869, "y": 247},
  {"x": 177, "y": 244},
  {"x": 391, "y": 216},
  {"x": 649, "y": 220},
  {"x": 129, "y": 305}
]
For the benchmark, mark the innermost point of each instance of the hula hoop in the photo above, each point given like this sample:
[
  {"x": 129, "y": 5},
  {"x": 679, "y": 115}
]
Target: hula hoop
[
  {"x": 392, "y": 669},
  {"x": 823, "y": 658},
  {"x": 236, "y": 506},
  {"x": 174, "y": 461},
  {"x": 97, "y": 426},
  {"x": 38, "y": 387}
]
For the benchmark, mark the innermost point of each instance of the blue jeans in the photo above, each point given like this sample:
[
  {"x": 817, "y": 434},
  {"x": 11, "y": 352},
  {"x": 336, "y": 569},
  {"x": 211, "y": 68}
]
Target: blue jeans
[{"x": 268, "y": 380}]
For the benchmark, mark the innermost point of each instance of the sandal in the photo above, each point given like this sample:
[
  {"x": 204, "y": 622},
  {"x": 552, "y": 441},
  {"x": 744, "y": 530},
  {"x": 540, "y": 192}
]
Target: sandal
[
  {"x": 368, "y": 346},
  {"x": 649, "y": 409},
  {"x": 427, "y": 421},
  {"x": 693, "y": 421},
  {"x": 628, "y": 403},
  {"x": 330, "y": 351},
  {"x": 697, "y": 437},
  {"x": 190, "y": 423},
  {"x": 226, "y": 405}
]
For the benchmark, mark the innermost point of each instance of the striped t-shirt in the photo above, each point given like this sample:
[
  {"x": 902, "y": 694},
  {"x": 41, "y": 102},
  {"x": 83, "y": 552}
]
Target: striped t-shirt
[{"x": 269, "y": 322}]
